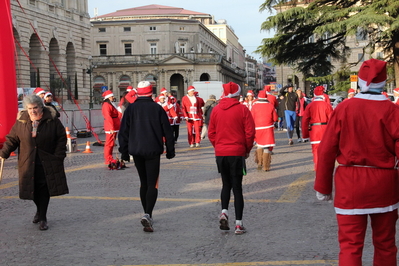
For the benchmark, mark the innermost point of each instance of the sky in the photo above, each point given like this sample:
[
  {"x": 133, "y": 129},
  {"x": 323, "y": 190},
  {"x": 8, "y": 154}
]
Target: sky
[{"x": 243, "y": 16}]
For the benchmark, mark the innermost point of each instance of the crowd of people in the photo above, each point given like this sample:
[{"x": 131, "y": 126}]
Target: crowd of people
[{"x": 361, "y": 134}]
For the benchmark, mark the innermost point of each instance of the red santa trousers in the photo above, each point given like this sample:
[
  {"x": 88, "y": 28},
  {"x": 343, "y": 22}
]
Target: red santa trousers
[
  {"x": 314, "y": 151},
  {"x": 196, "y": 125},
  {"x": 108, "y": 147},
  {"x": 351, "y": 233}
]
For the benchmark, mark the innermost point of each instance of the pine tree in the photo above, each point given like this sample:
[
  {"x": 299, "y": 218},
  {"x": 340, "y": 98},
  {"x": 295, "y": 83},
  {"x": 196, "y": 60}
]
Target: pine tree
[{"x": 338, "y": 20}]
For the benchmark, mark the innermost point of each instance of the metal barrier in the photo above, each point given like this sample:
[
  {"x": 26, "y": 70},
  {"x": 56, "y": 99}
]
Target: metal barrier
[{"x": 74, "y": 120}]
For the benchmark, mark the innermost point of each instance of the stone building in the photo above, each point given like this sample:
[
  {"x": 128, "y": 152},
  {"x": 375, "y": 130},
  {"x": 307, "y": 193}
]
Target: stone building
[
  {"x": 52, "y": 39},
  {"x": 170, "y": 47}
]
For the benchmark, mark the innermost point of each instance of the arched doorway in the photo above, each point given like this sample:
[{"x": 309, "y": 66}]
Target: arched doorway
[
  {"x": 124, "y": 82},
  {"x": 34, "y": 55},
  {"x": 55, "y": 79},
  {"x": 99, "y": 82},
  {"x": 205, "y": 77},
  {"x": 153, "y": 80},
  {"x": 177, "y": 86},
  {"x": 70, "y": 60}
]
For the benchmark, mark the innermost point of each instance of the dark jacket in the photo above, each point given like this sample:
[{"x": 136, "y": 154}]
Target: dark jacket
[
  {"x": 144, "y": 125},
  {"x": 290, "y": 98},
  {"x": 208, "y": 110},
  {"x": 49, "y": 145}
]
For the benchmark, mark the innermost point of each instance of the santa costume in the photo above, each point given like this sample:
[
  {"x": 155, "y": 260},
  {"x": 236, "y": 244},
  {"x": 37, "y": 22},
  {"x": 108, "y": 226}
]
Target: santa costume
[
  {"x": 270, "y": 97},
  {"x": 191, "y": 108},
  {"x": 264, "y": 115},
  {"x": 396, "y": 96},
  {"x": 363, "y": 137},
  {"x": 250, "y": 100},
  {"x": 314, "y": 121},
  {"x": 112, "y": 123}
]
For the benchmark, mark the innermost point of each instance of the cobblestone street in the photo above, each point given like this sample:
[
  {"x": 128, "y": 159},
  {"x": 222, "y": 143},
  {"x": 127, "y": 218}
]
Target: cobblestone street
[{"x": 98, "y": 223}]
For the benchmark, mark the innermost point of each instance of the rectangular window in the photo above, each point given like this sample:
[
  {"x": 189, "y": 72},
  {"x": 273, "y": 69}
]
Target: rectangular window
[
  {"x": 181, "y": 28},
  {"x": 103, "y": 49},
  {"x": 153, "y": 28},
  {"x": 128, "y": 48},
  {"x": 153, "y": 48},
  {"x": 32, "y": 2},
  {"x": 126, "y": 29},
  {"x": 182, "y": 48},
  {"x": 360, "y": 57},
  {"x": 83, "y": 44},
  {"x": 101, "y": 29}
]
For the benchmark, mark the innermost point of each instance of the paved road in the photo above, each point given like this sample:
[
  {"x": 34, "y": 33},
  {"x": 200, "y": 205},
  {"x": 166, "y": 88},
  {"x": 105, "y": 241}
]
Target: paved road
[{"x": 98, "y": 223}]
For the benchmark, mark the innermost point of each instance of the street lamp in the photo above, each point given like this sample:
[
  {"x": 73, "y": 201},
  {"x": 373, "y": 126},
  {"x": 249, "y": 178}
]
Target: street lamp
[{"x": 89, "y": 71}]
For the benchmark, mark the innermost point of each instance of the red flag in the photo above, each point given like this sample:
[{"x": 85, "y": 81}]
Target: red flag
[{"x": 8, "y": 83}]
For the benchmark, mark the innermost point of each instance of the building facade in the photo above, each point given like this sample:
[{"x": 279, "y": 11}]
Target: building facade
[
  {"x": 52, "y": 46},
  {"x": 170, "y": 47}
]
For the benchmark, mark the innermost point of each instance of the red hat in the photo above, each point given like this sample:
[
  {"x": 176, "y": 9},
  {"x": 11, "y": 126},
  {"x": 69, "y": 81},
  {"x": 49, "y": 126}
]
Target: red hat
[
  {"x": 396, "y": 90},
  {"x": 372, "y": 75},
  {"x": 318, "y": 91},
  {"x": 351, "y": 91},
  {"x": 129, "y": 88},
  {"x": 231, "y": 89},
  {"x": 47, "y": 94},
  {"x": 38, "y": 91},
  {"x": 196, "y": 93},
  {"x": 107, "y": 94},
  {"x": 267, "y": 88},
  {"x": 262, "y": 95},
  {"x": 163, "y": 91},
  {"x": 190, "y": 88},
  {"x": 250, "y": 93},
  {"x": 144, "y": 89}
]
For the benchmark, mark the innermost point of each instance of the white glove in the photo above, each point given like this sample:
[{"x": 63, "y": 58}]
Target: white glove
[{"x": 323, "y": 197}]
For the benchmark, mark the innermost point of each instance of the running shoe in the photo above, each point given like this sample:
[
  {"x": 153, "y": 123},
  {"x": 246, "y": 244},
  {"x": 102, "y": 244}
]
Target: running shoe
[
  {"x": 146, "y": 221},
  {"x": 299, "y": 140},
  {"x": 239, "y": 230},
  {"x": 192, "y": 146},
  {"x": 197, "y": 145},
  {"x": 224, "y": 222}
]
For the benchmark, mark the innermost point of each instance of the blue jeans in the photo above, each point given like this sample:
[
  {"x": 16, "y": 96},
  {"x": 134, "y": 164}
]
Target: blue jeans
[{"x": 290, "y": 117}]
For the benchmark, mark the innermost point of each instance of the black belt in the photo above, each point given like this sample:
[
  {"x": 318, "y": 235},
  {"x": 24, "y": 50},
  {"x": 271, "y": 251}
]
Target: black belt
[
  {"x": 318, "y": 124},
  {"x": 114, "y": 117}
]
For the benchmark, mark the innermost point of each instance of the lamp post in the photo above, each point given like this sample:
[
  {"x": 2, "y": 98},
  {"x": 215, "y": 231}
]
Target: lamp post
[{"x": 89, "y": 71}]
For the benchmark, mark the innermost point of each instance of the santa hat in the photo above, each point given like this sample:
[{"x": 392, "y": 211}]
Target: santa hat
[
  {"x": 47, "y": 94},
  {"x": 372, "y": 75},
  {"x": 318, "y": 91},
  {"x": 161, "y": 96},
  {"x": 250, "y": 93},
  {"x": 267, "y": 88},
  {"x": 38, "y": 91},
  {"x": 190, "y": 88},
  {"x": 129, "y": 88},
  {"x": 144, "y": 89},
  {"x": 163, "y": 91},
  {"x": 196, "y": 93},
  {"x": 262, "y": 95},
  {"x": 351, "y": 91},
  {"x": 231, "y": 90},
  {"x": 396, "y": 90},
  {"x": 107, "y": 94}
]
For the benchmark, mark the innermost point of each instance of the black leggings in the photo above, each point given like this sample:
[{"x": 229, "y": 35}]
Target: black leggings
[
  {"x": 298, "y": 124},
  {"x": 231, "y": 170},
  {"x": 148, "y": 169},
  {"x": 175, "y": 129},
  {"x": 41, "y": 194}
]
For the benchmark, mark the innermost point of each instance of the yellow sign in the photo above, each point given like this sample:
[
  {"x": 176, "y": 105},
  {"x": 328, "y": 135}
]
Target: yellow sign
[{"x": 353, "y": 78}]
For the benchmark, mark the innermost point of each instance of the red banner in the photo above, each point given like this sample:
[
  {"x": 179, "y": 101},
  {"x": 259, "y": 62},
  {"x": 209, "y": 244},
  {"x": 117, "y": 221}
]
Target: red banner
[{"x": 8, "y": 83}]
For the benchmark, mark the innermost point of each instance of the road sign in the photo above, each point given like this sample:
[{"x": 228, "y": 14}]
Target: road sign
[
  {"x": 354, "y": 82},
  {"x": 279, "y": 86},
  {"x": 104, "y": 88}
]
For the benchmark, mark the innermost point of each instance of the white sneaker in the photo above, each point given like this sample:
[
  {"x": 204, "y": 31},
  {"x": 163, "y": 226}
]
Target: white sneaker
[
  {"x": 299, "y": 140},
  {"x": 224, "y": 221},
  {"x": 147, "y": 222},
  {"x": 192, "y": 146},
  {"x": 239, "y": 230},
  {"x": 197, "y": 145}
]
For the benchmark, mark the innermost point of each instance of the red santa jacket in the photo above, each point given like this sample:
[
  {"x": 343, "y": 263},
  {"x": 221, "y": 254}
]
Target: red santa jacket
[
  {"x": 190, "y": 110},
  {"x": 363, "y": 136},
  {"x": 264, "y": 115},
  {"x": 315, "y": 119},
  {"x": 249, "y": 104},
  {"x": 272, "y": 99},
  {"x": 170, "y": 111},
  {"x": 231, "y": 128},
  {"x": 112, "y": 118}
]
